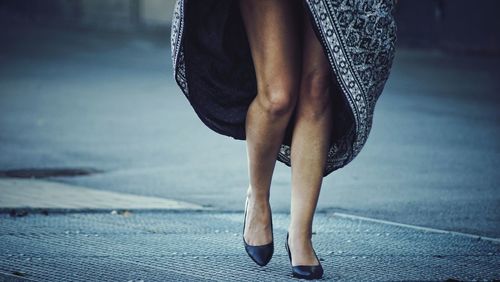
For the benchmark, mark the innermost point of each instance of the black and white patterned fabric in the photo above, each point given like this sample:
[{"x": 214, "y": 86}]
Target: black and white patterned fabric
[{"x": 213, "y": 66}]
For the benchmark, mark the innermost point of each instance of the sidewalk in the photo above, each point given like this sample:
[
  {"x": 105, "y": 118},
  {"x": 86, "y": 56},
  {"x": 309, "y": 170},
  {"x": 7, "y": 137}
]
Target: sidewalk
[
  {"x": 199, "y": 244},
  {"x": 40, "y": 194}
]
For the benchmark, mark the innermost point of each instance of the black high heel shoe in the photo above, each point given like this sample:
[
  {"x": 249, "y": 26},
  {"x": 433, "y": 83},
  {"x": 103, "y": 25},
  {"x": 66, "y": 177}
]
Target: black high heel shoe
[
  {"x": 308, "y": 272},
  {"x": 261, "y": 254}
]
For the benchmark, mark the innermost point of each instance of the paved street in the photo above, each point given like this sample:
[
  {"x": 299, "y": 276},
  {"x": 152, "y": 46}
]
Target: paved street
[
  {"x": 194, "y": 246},
  {"x": 121, "y": 173},
  {"x": 108, "y": 102}
]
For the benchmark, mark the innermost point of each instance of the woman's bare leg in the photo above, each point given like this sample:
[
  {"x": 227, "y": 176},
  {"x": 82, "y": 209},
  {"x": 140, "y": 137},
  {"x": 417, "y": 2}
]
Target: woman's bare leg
[
  {"x": 310, "y": 145},
  {"x": 274, "y": 35}
]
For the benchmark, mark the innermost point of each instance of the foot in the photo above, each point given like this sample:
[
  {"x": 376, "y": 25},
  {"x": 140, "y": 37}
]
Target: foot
[
  {"x": 258, "y": 229},
  {"x": 301, "y": 249}
]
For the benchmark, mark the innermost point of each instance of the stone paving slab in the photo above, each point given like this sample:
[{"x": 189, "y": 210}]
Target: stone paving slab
[
  {"x": 22, "y": 193},
  {"x": 207, "y": 245}
]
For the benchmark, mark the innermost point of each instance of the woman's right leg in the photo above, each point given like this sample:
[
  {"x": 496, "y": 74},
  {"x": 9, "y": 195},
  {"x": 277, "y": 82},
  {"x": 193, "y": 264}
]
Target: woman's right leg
[{"x": 273, "y": 29}]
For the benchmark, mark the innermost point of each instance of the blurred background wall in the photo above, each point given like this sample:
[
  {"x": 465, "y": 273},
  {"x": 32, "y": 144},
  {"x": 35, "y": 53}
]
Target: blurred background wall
[
  {"x": 115, "y": 15},
  {"x": 456, "y": 25}
]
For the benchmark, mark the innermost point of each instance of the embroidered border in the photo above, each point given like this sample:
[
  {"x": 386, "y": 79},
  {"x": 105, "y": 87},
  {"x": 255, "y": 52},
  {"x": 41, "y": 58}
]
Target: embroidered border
[
  {"x": 176, "y": 37},
  {"x": 332, "y": 40},
  {"x": 360, "y": 97}
]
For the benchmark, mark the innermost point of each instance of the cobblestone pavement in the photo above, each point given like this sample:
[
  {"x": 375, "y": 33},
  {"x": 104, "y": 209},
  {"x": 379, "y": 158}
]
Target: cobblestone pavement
[{"x": 207, "y": 245}]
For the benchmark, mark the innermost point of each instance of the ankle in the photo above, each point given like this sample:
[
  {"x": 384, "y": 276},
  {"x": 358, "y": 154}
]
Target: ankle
[
  {"x": 258, "y": 195},
  {"x": 297, "y": 233}
]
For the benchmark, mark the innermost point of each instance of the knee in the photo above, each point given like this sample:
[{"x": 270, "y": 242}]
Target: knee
[
  {"x": 315, "y": 85},
  {"x": 278, "y": 99},
  {"x": 315, "y": 91}
]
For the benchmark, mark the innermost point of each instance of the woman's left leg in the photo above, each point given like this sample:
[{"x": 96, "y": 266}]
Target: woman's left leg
[{"x": 310, "y": 145}]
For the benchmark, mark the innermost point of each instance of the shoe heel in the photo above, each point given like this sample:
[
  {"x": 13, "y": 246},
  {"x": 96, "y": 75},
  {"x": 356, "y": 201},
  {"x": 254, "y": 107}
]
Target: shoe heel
[
  {"x": 261, "y": 254},
  {"x": 308, "y": 272}
]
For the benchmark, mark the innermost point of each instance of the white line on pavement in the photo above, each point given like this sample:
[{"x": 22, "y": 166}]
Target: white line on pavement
[{"x": 428, "y": 229}]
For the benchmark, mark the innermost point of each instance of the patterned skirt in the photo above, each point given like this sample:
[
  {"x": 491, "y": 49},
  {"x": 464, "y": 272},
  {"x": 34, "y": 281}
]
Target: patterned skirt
[{"x": 213, "y": 66}]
